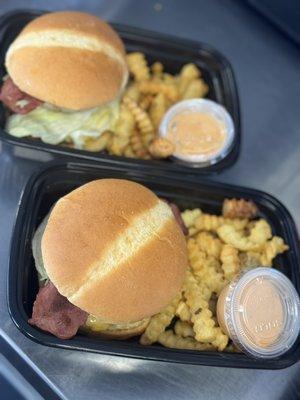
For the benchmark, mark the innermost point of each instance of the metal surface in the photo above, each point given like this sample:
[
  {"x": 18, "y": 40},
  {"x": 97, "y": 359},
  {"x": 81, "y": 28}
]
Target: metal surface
[{"x": 266, "y": 65}]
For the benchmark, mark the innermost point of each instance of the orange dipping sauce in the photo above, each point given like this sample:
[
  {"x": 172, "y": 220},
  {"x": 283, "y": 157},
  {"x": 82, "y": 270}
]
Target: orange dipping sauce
[{"x": 196, "y": 133}]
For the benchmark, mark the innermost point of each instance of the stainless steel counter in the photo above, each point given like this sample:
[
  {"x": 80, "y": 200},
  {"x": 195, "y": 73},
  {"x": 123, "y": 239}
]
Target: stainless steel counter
[{"x": 267, "y": 69}]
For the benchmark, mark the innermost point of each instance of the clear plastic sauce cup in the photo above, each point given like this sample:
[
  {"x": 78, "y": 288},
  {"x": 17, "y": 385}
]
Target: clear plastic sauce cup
[
  {"x": 260, "y": 311},
  {"x": 201, "y": 130}
]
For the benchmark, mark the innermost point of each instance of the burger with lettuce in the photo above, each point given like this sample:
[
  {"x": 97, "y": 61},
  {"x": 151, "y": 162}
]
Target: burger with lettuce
[{"x": 65, "y": 74}]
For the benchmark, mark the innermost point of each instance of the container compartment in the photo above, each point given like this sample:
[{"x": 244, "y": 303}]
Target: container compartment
[
  {"x": 173, "y": 53},
  {"x": 53, "y": 182}
]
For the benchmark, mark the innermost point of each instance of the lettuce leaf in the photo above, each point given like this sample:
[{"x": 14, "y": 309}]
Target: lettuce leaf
[
  {"x": 53, "y": 125},
  {"x": 37, "y": 252}
]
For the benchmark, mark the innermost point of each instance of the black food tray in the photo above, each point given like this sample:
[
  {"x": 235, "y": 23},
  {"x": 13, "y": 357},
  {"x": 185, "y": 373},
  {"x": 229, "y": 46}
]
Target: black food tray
[
  {"x": 173, "y": 53},
  {"x": 47, "y": 186}
]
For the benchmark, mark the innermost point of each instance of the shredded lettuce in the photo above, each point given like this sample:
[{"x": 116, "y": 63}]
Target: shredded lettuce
[
  {"x": 54, "y": 126},
  {"x": 37, "y": 252}
]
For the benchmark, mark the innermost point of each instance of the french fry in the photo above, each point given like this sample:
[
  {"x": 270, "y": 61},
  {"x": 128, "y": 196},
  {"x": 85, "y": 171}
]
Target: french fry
[
  {"x": 138, "y": 66},
  {"x": 161, "y": 148},
  {"x": 159, "y": 323}
]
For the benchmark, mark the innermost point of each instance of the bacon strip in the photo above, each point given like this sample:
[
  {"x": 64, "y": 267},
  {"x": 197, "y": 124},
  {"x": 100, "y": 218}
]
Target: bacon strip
[
  {"x": 11, "y": 95},
  {"x": 53, "y": 313},
  {"x": 177, "y": 215}
]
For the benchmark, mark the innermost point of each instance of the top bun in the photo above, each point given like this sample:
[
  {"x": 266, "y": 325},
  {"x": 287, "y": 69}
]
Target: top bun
[
  {"x": 70, "y": 59},
  {"x": 115, "y": 250}
]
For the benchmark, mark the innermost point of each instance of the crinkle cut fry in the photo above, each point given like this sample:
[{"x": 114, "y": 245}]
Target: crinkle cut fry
[
  {"x": 153, "y": 87},
  {"x": 230, "y": 261},
  {"x": 138, "y": 66},
  {"x": 239, "y": 208},
  {"x": 161, "y": 148},
  {"x": 170, "y": 339},
  {"x": 138, "y": 147},
  {"x": 203, "y": 324},
  {"x": 189, "y": 216},
  {"x": 255, "y": 241},
  {"x": 142, "y": 120},
  {"x": 159, "y": 323},
  {"x": 209, "y": 222},
  {"x": 231, "y": 236},
  {"x": 183, "y": 312},
  {"x": 271, "y": 249},
  {"x": 209, "y": 244},
  {"x": 184, "y": 329}
]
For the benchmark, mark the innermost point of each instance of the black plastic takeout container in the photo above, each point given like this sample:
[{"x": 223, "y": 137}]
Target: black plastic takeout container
[
  {"x": 47, "y": 186},
  {"x": 173, "y": 53}
]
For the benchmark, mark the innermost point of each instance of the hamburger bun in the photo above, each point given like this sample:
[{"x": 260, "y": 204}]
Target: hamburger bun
[
  {"x": 70, "y": 59},
  {"x": 115, "y": 250}
]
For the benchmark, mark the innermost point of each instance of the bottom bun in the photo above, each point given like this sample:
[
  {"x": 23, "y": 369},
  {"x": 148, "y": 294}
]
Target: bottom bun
[{"x": 117, "y": 332}]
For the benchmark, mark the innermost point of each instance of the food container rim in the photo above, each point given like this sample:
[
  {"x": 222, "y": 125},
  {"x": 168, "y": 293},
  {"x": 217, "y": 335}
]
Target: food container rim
[
  {"x": 18, "y": 314},
  {"x": 226, "y": 80}
]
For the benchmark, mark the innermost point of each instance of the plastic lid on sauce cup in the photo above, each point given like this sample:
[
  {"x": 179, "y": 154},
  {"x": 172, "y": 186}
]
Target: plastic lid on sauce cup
[
  {"x": 260, "y": 311},
  {"x": 203, "y": 106}
]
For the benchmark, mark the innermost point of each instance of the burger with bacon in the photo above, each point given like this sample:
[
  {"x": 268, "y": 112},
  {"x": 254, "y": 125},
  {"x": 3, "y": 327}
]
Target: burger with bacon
[
  {"x": 65, "y": 73},
  {"x": 110, "y": 255}
]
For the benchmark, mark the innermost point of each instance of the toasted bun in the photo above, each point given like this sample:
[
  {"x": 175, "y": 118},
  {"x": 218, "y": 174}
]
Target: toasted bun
[
  {"x": 70, "y": 59},
  {"x": 115, "y": 250},
  {"x": 121, "y": 333}
]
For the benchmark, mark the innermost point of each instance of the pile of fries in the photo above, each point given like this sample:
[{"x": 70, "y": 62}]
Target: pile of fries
[
  {"x": 149, "y": 94},
  {"x": 218, "y": 247}
]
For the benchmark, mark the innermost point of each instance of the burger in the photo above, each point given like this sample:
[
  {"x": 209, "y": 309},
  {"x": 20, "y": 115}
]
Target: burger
[
  {"x": 65, "y": 74},
  {"x": 110, "y": 255}
]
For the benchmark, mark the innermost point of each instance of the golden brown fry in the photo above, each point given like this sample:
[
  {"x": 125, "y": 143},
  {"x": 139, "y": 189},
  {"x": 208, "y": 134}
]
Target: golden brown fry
[
  {"x": 161, "y": 148},
  {"x": 117, "y": 145},
  {"x": 124, "y": 128},
  {"x": 221, "y": 340},
  {"x": 158, "y": 109},
  {"x": 260, "y": 232},
  {"x": 137, "y": 146},
  {"x": 184, "y": 329},
  {"x": 271, "y": 249},
  {"x": 209, "y": 222},
  {"x": 138, "y": 66},
  {"x": 196, "y": 299},
  {"x": 142, "y": 120},
  {"x": 206, "y": 268},
  {"x": 250, "y": 259},
  {"x": 209, "y": 244},
  {"x": 169, "y": 79},
  {"x": 146, "y": 102},
  {"x": 125, "y": 123},
  {"x": 153, "y": 87},
  {"x": 230, "y": 261},
  {"x": 229, "y": 235},
  {"x": 231, "y": 348},
  {"x": 133, "y": 92},
  {"x": 188, "y": 73},
  {"x": 183, "y": 312},
  {"x": 157, "y": 69},
  {"x": 169, "y": 339},
  {"x": 233, "y": 208},
  {"x": 197, "y": 257},
  {"x": 195, "y": 89},
  {"x": 100, "y": 143},
  {"x": 128, "y": 152},
  {"x": 159, "y": 323}
]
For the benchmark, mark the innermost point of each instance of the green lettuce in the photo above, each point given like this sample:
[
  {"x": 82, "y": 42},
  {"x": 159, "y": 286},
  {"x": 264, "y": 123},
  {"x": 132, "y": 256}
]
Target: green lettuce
[
  {"x": 37, "y": 252},
  {"x": 53, "y": 125}
]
